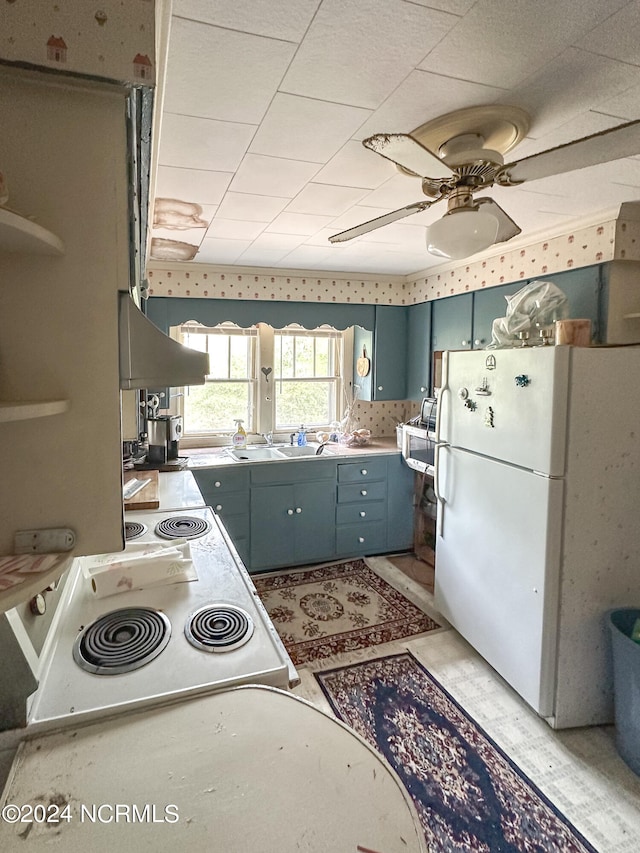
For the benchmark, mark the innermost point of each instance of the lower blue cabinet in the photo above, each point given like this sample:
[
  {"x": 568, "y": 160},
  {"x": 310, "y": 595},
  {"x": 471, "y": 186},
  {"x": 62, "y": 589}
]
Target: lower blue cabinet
[{"x": 292, "y": 524}]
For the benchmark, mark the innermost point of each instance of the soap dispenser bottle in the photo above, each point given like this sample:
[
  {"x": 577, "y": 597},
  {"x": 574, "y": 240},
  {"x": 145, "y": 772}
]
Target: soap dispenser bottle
[
  {"x": 302, "y": 436},
  {"x": 240, "y": 436}
]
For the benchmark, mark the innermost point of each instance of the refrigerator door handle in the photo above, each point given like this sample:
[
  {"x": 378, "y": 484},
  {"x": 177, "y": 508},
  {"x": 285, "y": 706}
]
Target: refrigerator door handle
[{"x": 436, "y": 489}]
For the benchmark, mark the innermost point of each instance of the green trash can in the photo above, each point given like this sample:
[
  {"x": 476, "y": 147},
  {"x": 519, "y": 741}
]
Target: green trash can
[{"x": 626, "y": 684}]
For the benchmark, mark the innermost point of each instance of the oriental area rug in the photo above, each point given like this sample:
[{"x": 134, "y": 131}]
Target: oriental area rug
[
  {"x": 469, "y": 795},
  {"x": 340, "y": 608}
]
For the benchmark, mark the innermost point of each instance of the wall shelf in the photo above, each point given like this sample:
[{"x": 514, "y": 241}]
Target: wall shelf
[
  {"x": 30, "y": 582},
  {"x": 27, "y": 411},
  {"x": 19, "y": 234}
]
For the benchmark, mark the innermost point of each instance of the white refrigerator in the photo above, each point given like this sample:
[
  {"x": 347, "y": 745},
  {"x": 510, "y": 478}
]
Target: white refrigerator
[{"x": 538, "y": 485}]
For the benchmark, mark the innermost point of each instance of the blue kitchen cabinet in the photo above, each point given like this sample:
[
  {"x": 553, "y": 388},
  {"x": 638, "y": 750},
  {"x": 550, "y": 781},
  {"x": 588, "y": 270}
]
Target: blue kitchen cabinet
[
  {"x": 292, "y": 523},
  {"x": 400, "y": 491},
  {"x": 386, "y": 347},
  {"x": 488, "y": 305},
  {"x": 227, "y": 491},
  {"x": 586, "y": 291},
  {"x": 418, "y": 350},
  {"x": 452, "y": 322}
]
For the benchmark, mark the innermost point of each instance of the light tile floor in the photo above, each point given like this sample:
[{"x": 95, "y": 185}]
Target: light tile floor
[{"x": 579, "y": 770}]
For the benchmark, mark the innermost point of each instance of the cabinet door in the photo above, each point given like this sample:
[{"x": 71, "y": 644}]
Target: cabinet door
[
  {"x": 419, "y": 351},
  {"x": 583, "y": 289},
  {"x": 315, "y": 522},
  {"x": 400, "y": 489},
  {"x": 363, "y": 346},
  {"x": 272, "y": 514},
  {"x": 292, "y": 524},
  {"x": 488, "y": 305},
  {"x": 390, "y": 353},
  {"x": 451, "y": 321}
]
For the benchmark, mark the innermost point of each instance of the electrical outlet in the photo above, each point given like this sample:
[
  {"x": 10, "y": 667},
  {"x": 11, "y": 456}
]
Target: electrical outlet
[{"x": 54, "y": 540}]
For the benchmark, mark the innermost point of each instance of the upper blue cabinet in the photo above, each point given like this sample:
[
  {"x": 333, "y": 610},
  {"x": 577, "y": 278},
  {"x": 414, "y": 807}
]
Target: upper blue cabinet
[
  {"x": 386, "y": 349},
  {"x": 419, "y": 351}
]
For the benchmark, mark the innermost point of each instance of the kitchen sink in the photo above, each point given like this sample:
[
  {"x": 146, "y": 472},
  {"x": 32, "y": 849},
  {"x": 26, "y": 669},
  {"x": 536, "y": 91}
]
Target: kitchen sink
[
  {"x": 263, "y": 454},
  {"x": 306, "y": 450},
  {"x": 255, "y": 454}
]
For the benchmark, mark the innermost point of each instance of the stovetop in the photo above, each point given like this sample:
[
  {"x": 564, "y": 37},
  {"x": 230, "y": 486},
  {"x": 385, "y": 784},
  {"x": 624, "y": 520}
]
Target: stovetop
[{"x": 70, "y": 694}]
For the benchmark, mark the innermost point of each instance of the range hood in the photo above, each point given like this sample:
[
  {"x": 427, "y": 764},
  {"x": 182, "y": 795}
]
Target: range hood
[{"x": 151, "y": 359}]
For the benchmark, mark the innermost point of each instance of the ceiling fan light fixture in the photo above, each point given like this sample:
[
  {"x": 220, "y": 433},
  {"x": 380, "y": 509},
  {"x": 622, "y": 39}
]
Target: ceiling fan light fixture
[{"x": 461, "y": 233}]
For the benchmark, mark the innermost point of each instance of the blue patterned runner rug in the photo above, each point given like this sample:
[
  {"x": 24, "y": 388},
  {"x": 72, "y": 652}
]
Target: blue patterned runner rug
[{"x": 470, "y": 796}]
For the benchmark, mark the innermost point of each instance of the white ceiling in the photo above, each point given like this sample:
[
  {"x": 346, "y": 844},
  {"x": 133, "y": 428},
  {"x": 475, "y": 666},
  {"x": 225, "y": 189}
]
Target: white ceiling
[{"x": 267, "y": 101}]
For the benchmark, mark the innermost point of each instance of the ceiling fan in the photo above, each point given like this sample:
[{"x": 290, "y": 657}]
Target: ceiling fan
[{"x": 465, "y": 149}]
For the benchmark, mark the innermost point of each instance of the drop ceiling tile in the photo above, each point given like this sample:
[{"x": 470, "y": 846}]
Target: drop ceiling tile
[
  {"x": 243, "y": 70},
  {"x": 277, "y": 242},
  {"x": 235, "y": 229},
  {"x": 456, "y": 7},
  {"x": 195, "y": 185},
  {"x": 204, "y": 144},
  {"x": 261, "y": 257},
  {"x": 423, "y": 96},
  {"x": 305, "y": 257},
  {"x": 272, "y": 176},
  {"x": 357, "y": 53},
  {"x": 279, "y": 19},
  {"x": 305, "y": 128},
  {"x": 571, "y": 84},
  {"x": 618, "y": 37},
  {"x": 253, "y": 208},
  {"x": 501, "y": 42},
  {"x": 355, "y": 166},
  {"x": 213, "y": 251},
  {"x": 325, "y": 199},
  {"x": 625, "y": 106},
  {"x": 298, "y": 223}
]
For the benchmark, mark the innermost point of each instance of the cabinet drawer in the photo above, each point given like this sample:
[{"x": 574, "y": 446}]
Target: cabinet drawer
[
  {"x": 355, "y": 513},
  {"x": 355, "y": 472},
  {"x": 361, "y": 492},
  {"x": 365, "y": 538},
  {"x": 233, "y": 503},
  {"x": 220, "y": 480}
]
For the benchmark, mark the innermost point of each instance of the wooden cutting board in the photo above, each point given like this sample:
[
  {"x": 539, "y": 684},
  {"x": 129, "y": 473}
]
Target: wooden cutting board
[
  {"x": 146, "y": 498},
  {"x": 363, "y": 365}
]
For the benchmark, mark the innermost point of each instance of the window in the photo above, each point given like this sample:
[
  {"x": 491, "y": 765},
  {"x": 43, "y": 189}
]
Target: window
[
  {"x": 274, "y": 379},
  {"x": 307, "y": 377},
  {"x": 230, "y": 388}
]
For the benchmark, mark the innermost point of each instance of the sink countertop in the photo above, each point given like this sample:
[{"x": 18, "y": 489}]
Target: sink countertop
[{"x": 212, "y": 457}]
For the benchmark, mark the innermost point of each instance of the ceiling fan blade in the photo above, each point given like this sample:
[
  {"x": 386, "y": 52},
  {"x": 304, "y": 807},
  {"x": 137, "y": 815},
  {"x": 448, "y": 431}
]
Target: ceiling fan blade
[
  {"x": 612, "y": 144},
  {"x": 507, "y": 228},
  {"x": 405, "y": 151},
  {"x": 379, "y": 221}
]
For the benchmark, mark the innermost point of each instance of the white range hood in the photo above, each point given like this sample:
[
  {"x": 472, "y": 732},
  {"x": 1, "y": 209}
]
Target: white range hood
[{"x": 151, "y": 359}]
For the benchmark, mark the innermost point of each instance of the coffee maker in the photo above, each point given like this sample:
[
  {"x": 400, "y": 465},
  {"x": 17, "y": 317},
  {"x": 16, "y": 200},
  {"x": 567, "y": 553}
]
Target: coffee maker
[{"x": 164, "y": 433}]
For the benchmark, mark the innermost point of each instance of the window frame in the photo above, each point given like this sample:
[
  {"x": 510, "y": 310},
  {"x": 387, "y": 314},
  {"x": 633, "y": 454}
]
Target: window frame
[{"x": 263, "y": 410}]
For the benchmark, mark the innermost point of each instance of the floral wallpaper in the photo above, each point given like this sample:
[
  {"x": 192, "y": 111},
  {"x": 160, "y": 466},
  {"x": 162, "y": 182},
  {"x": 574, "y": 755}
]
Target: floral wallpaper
[{"x": 113, "y": 39}]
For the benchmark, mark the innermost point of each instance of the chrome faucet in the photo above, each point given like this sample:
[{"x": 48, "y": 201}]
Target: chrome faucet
[{"x": 268, "y": 437}]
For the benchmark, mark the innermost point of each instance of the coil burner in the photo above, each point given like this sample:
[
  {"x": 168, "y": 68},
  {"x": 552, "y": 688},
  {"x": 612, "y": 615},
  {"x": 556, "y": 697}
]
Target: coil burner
[
  {"x": 122, "y": 640},
  {"x": 182, "y": 527},
  {"x": 134, "y": 529},
  {"x": 220, "y": 628}
]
